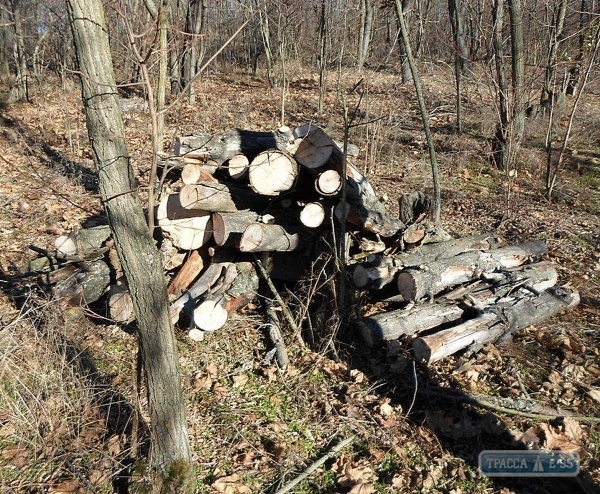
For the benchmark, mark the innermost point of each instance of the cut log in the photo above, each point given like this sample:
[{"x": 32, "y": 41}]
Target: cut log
[
  {"x": 238, "y": 287},
  {"x": 413, "y": 207},
  {"x": 222, "y": 147},
  {"x": 188, "y": 272},
  {"x": 261, "y": 238},
  {"x": 379, "y": 271},
  {"x": 393, "y": 324},
  {"x": 120, "y": 303},
  {"x": 65, "y": 245},
  {"x": 237, "y": 166},
  {"x": 272, "y": 172},
  {"x": 413, "y": 235},
  {"x": 328, "y": 183},
  {"x": 365, "y": 210},
  {"x": 80, "y": 285},
  {"x": 187, "y": 229},
  {"x": 208, "y": 279},
  {"x": 415, "y": 284},
  {"x": 194, "y": 173},
  {"x": 494, "y": 324},
  {"x": 534, "y": 278},
  {"x": 312, "y": 215},
  {"x": 229, "y": 227},
  {"x": 220, "y": 198},
  {"x": 314, "y": 146},
  {"x": 210, "y": 314}
]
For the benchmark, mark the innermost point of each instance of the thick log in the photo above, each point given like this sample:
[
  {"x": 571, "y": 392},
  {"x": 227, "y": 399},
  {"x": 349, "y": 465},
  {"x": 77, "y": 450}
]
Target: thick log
[
  {"x": 382, "y": 270},
  {"x": 194, "y": 173},
  {"x": 364, "y": 210},
  {"x": 494, "y": 323},
  {"x": 328, "y": 183},
  {"x": 224, "y": 146},
  {"x": 237, "y": 167},
  {"x": 312, "y": 215},
  {"x": 261, "y": 238},
  {"x": 413, "y": 207},
  {"x": 188, "y": 272},
  {"x": 393, "y": 324},
  {"x": 82, "y": 241},
  {"x": 415, "y": 283},
  {"x": 81, "y": 285},
  {"x": 210, "y": 314},
  {"x": 120, "y": 303},
  {"x": 229, "y": 227},
  {"x": 237, "y": 289},
  {"x": 220, "y": 198},
  {"x": 534, "y": 278},
  {"x": 187, "y": 229},
  {"x": 208, "y": 279},
  {"x": 272, "y": 172},
  {"x": 314, "y": 146}
]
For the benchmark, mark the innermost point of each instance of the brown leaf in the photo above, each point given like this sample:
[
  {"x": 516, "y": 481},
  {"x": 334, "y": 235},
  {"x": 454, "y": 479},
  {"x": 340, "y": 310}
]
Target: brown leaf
[
  {"x": 362, "y": 489},
  {"x": 231, "y": 485},
  {"x": 70, "y": 486}
]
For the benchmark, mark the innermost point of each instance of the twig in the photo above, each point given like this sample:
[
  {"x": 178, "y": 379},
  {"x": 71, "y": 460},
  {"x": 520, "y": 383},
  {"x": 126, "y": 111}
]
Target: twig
[
  {"x": 492, "y": 402},
  {"x": 333, "y": 452},
  {"x": 284, "y": 307},
  {"x": 272, "y": 325}
]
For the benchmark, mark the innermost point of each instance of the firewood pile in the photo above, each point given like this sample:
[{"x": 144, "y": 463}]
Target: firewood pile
[{"x": 244, "y": 205}]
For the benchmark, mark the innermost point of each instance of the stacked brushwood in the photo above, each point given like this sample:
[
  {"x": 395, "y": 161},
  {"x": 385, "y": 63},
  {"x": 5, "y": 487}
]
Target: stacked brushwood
[{"x": 239, "y": 201}]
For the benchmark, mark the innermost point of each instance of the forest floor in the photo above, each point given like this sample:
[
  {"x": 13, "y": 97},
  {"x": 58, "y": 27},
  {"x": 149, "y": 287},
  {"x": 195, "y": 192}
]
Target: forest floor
[{"x": 68, "y": 401}]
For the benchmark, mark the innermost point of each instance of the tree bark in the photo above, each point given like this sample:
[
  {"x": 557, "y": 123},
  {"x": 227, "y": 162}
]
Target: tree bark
[
  {"x": 501, "y": 139},
  {"x": 494, "y": 323},
  {"x": 518, "y": 67},
  {"x": 170, "y": 456},
  {"x": 415, "y": 284}
]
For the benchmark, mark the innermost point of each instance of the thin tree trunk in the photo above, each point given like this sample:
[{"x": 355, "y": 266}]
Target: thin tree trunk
[
  {"x": 194, "y": 47},
  {"x": 366, "y": 32},
  {"x": 425, "y": 117},
  {"x": 322, "y": 56},
  {"x": 554, "y": 41},
  {"x": 460, "y": 56},
  {"x": 501, "y": 137},
  {"x": 20, "y": 91},
  {"x": 401, "y": 8},
  {"x": 518, "y": 68},
  {"x": 170, "y": 457}
]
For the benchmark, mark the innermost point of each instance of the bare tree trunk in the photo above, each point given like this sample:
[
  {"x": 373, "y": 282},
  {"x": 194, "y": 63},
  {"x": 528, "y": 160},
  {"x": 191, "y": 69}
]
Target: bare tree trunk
[
  {"x": 401, "y": 8},
  {"x": 460, "y": 55},
  {"x": 4, "y": 45},
  {"x": 170, "y": 456},
  {"x": 574, "y": 71},
  {"x": 501, "y": 138},
  {"x": 366, "y": 31},
  {"x": 322, "y": 56},
  {"x": 194, "y": 46},
  {"x": 518, "y": 68},
  {"x": 554, "y": 41},
  {"x": 20, "y": 91},
  {"x": 425, "y": 117}
]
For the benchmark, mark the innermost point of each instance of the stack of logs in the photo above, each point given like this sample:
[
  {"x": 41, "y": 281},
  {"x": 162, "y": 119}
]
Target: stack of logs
[{"x": 241, "y": 194}]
